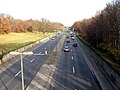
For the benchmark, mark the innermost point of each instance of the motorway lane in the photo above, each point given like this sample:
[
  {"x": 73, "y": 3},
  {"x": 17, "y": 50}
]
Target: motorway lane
[
  {"x": 63, "y": 72},
  {"x": 10, "y": 79},
  {"x": 83, "y": 71},
  {"x": 73, "y": 72},
  {"x": 101, "y": 77}
]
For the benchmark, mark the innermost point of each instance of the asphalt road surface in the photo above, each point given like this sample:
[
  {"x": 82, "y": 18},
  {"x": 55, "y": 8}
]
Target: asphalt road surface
[
  {"x": 73, "y": 72},
  {"x": 10, "y": 79}
]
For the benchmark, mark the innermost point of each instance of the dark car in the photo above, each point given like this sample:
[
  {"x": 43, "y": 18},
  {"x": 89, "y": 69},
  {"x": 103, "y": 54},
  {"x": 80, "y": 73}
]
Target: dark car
[
  {"x": 75, "y": 45},
  {"x": 67, "y": 36},
  {"x": 68, "y": 41}
]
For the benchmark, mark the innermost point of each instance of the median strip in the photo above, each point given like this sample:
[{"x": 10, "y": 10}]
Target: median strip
[{"x": 44, "y": 76}]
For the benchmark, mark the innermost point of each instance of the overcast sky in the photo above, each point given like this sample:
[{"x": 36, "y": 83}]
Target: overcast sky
[{"x": 64, "y": 11}]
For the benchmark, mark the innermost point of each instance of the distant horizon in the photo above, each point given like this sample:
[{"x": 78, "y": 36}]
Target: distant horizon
[{"x": 63, "y": 11}]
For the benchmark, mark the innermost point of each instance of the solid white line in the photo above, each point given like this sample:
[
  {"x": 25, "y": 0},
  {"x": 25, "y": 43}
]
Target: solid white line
[
  {"x": 17, "y": 73},
  {"x": 71, "y": 50},
  {"x": 32, "y": 60},
  {"x": 72, "y": 57},
  {"x": 73, "y": 69}
]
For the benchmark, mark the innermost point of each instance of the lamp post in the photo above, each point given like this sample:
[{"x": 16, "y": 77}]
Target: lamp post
[
  {"x": 22, "y": 67},
  {"x": 37, "y": 36},
  {"x": 22, "y": 72},
  {"x": 49, "y": 44},
  {"x": 1, "y": 55}
]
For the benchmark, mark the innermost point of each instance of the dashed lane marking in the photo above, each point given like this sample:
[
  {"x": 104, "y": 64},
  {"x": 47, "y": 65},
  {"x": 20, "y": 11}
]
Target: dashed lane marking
[
  {"x": 73, "y": 69},
  {"x": 32, "y": 60},
  {"x": 17, "y": 73},
  {"x": 72, "y": 58}
]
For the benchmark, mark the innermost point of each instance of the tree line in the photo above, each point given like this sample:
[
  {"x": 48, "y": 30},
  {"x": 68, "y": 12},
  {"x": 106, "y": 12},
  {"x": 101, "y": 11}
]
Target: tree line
[
  {"x": 9, "y": 24},
  {"x": 103, "y": 30}
]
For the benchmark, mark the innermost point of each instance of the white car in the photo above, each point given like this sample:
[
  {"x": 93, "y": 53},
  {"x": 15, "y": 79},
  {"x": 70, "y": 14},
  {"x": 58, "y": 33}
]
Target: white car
[
  {"x": 72, "y": 38},
  {"x": 66, "y": 49},
  {"x": 53, "y": 38}
]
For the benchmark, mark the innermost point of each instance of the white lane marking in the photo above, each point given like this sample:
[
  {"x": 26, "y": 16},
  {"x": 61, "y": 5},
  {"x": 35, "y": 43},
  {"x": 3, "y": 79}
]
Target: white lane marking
[
  {"x": 75, "y": 89},
  {"x": 72, "y": 58},
  {"x": 73, "y": 69},
  {"x": 32, "y": 60},
  {"x": 71, "y": 50},
  {"x": 17, "y": 73}
]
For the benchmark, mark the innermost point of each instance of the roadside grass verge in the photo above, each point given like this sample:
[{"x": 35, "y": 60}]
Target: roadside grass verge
[
  {"x": 104, "y": 56},
  {"x": 13, "y": 41}
]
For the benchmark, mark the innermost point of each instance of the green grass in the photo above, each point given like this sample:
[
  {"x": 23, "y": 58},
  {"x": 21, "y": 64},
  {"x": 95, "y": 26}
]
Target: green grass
[{"x": 13, "y": 41}]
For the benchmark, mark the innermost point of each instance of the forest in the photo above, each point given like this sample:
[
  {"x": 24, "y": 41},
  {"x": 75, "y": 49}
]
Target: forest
[
  {"x": 9, "y": 24},
  {"x": 103, "y": 30}
]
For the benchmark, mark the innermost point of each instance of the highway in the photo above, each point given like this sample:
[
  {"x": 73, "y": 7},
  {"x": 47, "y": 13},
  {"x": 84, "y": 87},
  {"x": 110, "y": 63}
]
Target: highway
[
  {"x": 10, "y": 79},
  {"x": 74, "y": 71}
]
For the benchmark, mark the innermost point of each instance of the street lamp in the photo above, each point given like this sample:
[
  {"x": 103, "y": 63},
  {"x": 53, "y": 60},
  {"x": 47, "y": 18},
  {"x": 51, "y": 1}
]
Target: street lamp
[
  {"x": 49, "y": 45},
  {"x": 22, "y": 72},
  {"x": 1, "y": 55},
  {"x": 37, "y": 36}
]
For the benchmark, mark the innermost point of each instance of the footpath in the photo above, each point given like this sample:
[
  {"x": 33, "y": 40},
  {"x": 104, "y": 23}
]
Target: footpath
[{"x": 44, "y": 76}]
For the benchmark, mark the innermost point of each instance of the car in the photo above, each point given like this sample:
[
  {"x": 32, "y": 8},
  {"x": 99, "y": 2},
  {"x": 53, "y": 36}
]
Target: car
[
  {"x": 68, "y": 41},
  {"x": 72, "y": 38},
  {"x": 53, "y": 38},
  {"x": 66, "y": 49},
  {"x": 75, "y": 45},
  {"x": 71, "y": 33},
  {"x": 67, "y": 37}
]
